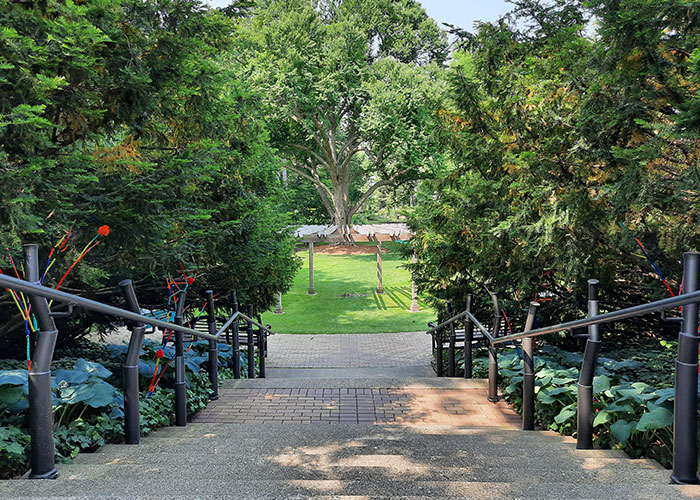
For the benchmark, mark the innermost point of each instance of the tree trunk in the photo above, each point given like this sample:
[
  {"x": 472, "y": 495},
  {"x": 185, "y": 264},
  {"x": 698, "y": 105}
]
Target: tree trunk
[{"x": 341, "y": 200}]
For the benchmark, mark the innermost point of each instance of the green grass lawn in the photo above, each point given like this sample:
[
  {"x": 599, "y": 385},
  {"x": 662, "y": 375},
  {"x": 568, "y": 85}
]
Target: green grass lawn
[{"x": 346, "y": 301}]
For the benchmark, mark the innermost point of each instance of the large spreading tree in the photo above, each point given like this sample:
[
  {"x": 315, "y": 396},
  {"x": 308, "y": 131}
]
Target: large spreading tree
[{"x": 352, "y": 90}]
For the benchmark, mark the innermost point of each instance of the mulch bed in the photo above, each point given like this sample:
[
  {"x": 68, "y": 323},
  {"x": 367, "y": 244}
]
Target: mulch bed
[{"x": 346, "y": 249}]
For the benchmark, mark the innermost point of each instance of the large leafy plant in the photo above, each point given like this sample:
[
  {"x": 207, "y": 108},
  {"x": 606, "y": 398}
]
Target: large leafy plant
[{"x": 630, "y": 415}]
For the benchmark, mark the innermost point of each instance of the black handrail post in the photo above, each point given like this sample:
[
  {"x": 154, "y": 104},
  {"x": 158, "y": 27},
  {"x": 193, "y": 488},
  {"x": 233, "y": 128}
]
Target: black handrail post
[
  {"x": 235, "y": 340},
  {"x": 451, "y": 349},
  {"x": 468, "y": 339},
  {"x": 529, "y": 371},
  {"x": 493, "y": 355},
  {"x": 180, "y": 386},
  {"x": 41, "y": 461},
  {"x": 261, "y": 351},
  {"x": 685, "y": 453},
  {"x": 130, "y": 370},
  {"x": 438, "y": 365},
  {"x": 584, "y": 439},
  {"x": 213, "y": 366},
  {"x": 251, "y": 344}
]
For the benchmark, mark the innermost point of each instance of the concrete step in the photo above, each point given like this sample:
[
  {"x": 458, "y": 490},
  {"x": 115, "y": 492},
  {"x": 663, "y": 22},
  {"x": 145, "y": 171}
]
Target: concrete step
[
  {"x": 202, "y": 488},
  {"x": 352, "y": 462},
  {"x": 372, "y": 468}
]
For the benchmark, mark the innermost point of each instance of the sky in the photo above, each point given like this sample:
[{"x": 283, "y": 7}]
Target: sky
[
  {"x": 460, "y": 13},
  {"x": 464, "y": 13}
]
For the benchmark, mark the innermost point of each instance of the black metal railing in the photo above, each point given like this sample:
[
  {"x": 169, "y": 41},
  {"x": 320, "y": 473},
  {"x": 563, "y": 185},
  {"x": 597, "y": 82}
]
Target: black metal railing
[
  {"x": 685, "y": 460},
  {"x": 42, "y": 462}
]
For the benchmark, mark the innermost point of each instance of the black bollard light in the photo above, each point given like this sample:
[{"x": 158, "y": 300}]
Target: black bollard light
[
  {"x": 451, "y": 346},
  {"x": 493, "y": 355},
  {"x": 261, "y": 350}
]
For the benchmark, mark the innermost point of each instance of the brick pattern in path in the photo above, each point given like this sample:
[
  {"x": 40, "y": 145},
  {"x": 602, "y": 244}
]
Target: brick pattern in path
[
  {"x": 406, "y": 406},
  {"x": 349, "y": 350}
]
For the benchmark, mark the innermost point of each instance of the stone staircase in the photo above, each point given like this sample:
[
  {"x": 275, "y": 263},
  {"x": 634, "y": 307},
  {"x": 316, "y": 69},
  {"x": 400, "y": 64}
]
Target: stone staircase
[
  {"x": 339, "y": 419},
  {"x": 417, "y": 455}
]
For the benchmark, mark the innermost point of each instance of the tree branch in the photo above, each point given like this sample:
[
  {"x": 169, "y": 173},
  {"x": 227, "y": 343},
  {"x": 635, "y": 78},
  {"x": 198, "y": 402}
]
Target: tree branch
[
  {"x": 374, "y": 187},
  {"x": 312, "y": 153},
  {"x": 346, "y": 160},
  {"x": 317, "y": 182},
  {"x": 325, "y": 144}
]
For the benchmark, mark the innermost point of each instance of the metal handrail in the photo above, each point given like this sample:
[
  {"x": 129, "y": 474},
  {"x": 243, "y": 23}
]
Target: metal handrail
[
  {"x": 621, "y": 314},
  {"x": 42, "y": 456},
  {"x": 92, "y": 305},
  {"x": 447, "y": 322},
  {"x": 629, "y": 312},
  {"x": 686, "y": 377},
  {"x": 481, "y": 327},
  {"x": 250, "y": 320}
]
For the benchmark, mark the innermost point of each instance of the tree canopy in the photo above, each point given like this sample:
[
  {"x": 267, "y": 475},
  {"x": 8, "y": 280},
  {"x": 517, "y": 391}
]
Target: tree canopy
[
  {"x": 573, "y": 130},
  {"x": 351, "y": 90},
  {"x": 134, "y": 115}
]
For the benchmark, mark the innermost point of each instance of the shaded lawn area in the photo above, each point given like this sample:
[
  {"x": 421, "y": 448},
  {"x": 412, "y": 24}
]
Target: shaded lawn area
[{"x": 346, "y": 300}]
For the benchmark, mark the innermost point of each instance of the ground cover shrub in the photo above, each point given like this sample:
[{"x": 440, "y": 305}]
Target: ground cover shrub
[
  {"x": 88, "y": 399},
  {"x": 630, "y": 414}
]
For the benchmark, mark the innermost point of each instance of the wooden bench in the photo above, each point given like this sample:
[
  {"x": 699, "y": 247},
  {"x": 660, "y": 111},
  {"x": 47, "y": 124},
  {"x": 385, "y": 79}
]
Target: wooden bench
[
  {"x": 202, "y": 325},
  {"x": 459, "y": 337}
]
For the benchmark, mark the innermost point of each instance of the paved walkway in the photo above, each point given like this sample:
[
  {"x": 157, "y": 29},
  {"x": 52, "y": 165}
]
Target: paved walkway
[
  {"x": 367, "y": 405},
  {"x": 376, "y": 379},
  {"x": 349, "y": 350}
]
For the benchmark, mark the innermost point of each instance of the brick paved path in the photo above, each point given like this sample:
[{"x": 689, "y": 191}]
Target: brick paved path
[
  {"x": 355, "y": 379},
  {"x": 406, "y": 406},
  {"x": 349, "y": 350}
]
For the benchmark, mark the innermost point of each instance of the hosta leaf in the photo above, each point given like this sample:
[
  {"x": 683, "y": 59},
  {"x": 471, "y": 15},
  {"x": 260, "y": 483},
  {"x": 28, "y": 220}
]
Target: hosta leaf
[
  {"x": 569, "y": 389},
  {"x": 603, "y": 417},
  {"x": 104, "y": 394},
  {"x": 70, "y": 376},
  {"x": 665, "y": 395},
  {"x": 146, "y": 368},
  {"x": 92, "y": 368},
  {"x": 563, "y": 380},
  {"x": 14, "y": 377},
  {"x": 75, "y": 394},
  {"x": 622, "y": 430},
  {"x": 601, "y": 383},
  {"x": 633, "y": 394},
  {"x": 565, "y": 414},
  {"x": 657, "y": 418},
  {"x": 10, "y": 395},
  {"x": 620, "y": 408},
  {"x": 545, "y": 398}
]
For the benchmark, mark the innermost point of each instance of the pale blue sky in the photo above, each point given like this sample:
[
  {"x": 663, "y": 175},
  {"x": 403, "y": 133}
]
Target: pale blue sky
[
  {"x": 460, "y": 13},
  {"x": 464, "y": 13}
]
